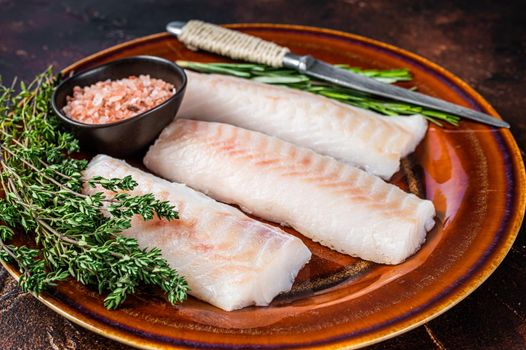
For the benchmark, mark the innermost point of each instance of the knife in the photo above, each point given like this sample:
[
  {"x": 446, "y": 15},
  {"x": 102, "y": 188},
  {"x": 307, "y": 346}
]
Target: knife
[{"x": 209, "y": 37}]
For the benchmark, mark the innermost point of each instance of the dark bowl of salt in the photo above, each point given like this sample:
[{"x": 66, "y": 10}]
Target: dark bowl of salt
[{"x": 130, "y": 135}]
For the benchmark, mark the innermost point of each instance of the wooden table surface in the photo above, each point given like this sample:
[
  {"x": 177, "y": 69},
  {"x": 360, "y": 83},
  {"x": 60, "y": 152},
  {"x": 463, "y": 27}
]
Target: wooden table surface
[{"x": 483, "y": 42}]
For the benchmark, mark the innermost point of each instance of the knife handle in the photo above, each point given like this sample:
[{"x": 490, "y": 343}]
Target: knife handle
[{"x": 230, "y": 43}]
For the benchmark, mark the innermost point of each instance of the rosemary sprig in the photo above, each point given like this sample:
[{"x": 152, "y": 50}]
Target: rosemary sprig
[
  {"x": 42, "y": 183},
  {"x": 293, "y": 79}
]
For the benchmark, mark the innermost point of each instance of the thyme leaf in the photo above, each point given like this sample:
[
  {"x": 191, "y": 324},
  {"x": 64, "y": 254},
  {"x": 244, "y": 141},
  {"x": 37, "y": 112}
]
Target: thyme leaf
[{"x": 41, "y": 182}]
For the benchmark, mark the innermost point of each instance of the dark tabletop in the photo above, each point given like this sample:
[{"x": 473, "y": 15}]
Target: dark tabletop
[{"x": 483, "y": 42}]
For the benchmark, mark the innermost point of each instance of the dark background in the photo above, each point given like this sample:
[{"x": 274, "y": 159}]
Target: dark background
[{"x": 483, "y": 42}]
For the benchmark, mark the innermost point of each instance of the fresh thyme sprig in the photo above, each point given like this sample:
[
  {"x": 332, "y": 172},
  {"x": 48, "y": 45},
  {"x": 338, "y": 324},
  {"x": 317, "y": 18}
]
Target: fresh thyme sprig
[
  {"x": 42, "y": 183},
  {"x": 293, "y": 79}
]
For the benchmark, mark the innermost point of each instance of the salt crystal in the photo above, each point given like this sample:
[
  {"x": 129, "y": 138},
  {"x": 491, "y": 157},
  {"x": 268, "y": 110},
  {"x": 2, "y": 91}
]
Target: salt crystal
[
  {"x": 97, "y": 100},
  {"x": 109, "y": 101}
]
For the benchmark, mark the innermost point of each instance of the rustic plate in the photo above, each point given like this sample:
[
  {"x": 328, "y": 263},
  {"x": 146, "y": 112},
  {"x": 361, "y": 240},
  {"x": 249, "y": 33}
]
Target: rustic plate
[{"x": 473, "y": 174}]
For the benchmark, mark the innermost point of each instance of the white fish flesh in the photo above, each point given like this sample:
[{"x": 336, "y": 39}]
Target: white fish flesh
[
  {"x": 340, "y": 206},
  {"x": 356, "y": 136},
  {"x": 227, "y": 258}
]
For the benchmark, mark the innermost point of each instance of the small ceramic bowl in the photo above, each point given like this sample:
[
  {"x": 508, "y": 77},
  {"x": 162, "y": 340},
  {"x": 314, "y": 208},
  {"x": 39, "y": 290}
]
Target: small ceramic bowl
[{"x": 132, "y": 135}]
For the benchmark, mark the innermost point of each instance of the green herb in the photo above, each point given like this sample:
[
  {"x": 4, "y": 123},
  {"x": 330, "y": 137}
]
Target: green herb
[
  {"x": 42, "y": 183},
  {"x": 293, "y": 79}
]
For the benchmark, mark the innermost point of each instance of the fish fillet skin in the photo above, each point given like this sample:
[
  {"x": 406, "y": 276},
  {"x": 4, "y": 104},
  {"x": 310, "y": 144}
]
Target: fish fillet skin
[
  {"x": 335, "y": 204},
  {"x": 227, "y": 258},
  {"x": 356, "y": 136}
]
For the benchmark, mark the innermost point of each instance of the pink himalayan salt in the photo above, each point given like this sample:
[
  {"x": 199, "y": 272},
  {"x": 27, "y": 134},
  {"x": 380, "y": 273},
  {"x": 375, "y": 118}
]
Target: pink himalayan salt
[{"x": 110, "y": 101}]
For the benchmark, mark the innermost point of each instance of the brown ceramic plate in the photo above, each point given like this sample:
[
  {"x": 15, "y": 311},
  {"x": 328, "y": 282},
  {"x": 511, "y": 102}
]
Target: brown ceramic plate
[{"x": 473, "y": 174}]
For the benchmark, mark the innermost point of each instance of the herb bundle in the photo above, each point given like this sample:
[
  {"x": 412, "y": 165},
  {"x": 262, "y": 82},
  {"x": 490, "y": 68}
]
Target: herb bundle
[
  {"x": 293, "y": 79},
  {"x": 42, "y": 197}
]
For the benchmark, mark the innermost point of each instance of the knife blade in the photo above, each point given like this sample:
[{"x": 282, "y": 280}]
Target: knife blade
[{"x": 239, "y": 45}]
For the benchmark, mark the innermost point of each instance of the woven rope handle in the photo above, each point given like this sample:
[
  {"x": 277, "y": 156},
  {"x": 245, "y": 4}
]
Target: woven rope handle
[{"x": 236, "y": 45}]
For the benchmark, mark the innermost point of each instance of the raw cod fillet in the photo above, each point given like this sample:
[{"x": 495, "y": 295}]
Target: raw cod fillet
[
  {"x": 227, "y": 258},
  {"x": 356, "y": 136},
  {"x": 340, "y": 206}
]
